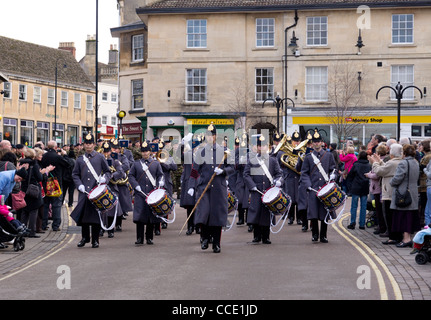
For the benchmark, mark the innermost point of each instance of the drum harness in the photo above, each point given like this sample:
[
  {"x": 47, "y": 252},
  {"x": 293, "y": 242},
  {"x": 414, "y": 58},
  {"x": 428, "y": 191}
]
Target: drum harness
[
  {"x": 318, "y": 164},
  {"x": 96, "y": 177},
  {"x": 271, "y": 179}
]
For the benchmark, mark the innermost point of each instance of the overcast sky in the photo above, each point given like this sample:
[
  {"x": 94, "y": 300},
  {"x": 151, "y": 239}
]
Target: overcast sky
[{"x": 49, "y": 22}]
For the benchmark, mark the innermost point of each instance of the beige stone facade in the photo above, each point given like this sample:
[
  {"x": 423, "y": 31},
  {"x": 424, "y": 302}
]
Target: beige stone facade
[
  {"x": 347, "y": 79},
  {"x": 27, "y": 104}
]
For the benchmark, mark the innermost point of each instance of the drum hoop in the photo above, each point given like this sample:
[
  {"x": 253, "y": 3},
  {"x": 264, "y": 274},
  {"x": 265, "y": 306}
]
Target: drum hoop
[
  {"x": 267, "y": 191},
  {"x": 318, "y": 191}
]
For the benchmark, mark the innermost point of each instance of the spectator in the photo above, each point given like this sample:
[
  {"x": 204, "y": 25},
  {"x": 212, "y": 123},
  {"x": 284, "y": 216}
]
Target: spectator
[
  {"x": 348, "y": 158},
  {"x": 374, "y": 142},
  {"x": 425, "y": 148},
  {"x": 333, "y": 150},
  {"x": 376, "y": 192},
  {"x": 8, "y": 180},
  {"x": 61, "y": 163},
  {"x": 5, "y": 144},
  {"x": 406, "y": 220},
  {"x": 68, "y": 184},
  {"x": 29, "y": 213},
  {"x": 386, "y": 171},
  {"x": 360, "y": 186}
]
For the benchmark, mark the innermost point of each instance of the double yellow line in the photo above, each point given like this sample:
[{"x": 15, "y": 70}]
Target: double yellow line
[
  {"x": 372, "y": 259},
  {"x": 44, "y": 256}
]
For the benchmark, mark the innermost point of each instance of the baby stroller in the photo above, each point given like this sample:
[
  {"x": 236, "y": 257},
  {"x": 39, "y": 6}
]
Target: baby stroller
[
  {"x": 422, "y": 245},
  {"x": 371, "y": 214},
  {"x": 8, "y": 233}
]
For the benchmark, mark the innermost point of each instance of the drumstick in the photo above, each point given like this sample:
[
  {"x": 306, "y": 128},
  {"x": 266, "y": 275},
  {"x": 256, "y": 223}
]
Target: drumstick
[{"x": 205, "y": 190}]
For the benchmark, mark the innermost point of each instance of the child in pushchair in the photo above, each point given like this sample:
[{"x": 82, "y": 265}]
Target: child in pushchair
[
  {"x": 11, "y": 229},
  {"x": 422, "y": 245}
]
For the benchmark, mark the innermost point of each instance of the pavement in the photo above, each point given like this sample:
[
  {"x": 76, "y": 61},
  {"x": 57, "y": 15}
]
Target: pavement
[{"x": 414, "y": 280}]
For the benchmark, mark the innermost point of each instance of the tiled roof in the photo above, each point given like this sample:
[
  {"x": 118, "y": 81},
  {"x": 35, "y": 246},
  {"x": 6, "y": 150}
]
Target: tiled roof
[
  {"x": 229, "y": 5},
  {"x": 35, "y": 61}
]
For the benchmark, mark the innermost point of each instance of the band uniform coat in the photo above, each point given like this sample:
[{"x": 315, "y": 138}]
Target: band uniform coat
[
  {"x": 142, "y": 212},
  {"x": 254, "y": 176},
  {"x": 213, "y": 207},
  {"x": 311, "y": 177},
  {"x": 85, "y": 211}
]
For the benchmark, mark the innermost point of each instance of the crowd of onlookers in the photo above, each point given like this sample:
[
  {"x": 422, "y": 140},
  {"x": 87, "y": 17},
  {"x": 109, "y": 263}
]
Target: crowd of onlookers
[
  {"x": 373, "y": 174},
  {"x": 23, "y": 168}
]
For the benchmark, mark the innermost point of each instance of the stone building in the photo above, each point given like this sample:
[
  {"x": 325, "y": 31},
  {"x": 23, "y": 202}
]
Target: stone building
[
  {"x": 317, "y": 63},
  {"x": 36, "y": 75}
]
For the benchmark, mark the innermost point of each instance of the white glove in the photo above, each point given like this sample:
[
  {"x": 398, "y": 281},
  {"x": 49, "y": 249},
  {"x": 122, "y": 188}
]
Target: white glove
[
  {"x": 81, "y": 188},
  {"x": 138, "y": 188},
  {"x": 161, "y": 183},
  {"x": 309, "y": 189},
  {"x": 191, "y": 192},
  {"x": 332, "y": 176},
  {"x": 278, "y": 183},
  {"x": 102, "y": 179},
  {"x": 218, "y": 171},
  {"x": 253, "y": 189}
]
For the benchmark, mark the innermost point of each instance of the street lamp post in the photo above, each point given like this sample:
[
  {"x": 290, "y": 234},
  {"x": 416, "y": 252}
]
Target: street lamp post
[
  {"x": 55, "y": 95},
  {"x": 120, "y": 115},
  {"x": 279, "y": 103},
  {"x": 399, "y": 92},
  {"x": 285, "y": 111}
]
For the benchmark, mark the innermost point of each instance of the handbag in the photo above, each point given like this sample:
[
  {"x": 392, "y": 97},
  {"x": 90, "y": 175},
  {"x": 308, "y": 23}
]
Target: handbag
[
  {"x": 403, "y": 200},
  {"x": 18, "y": 201},
  {"x": 52, "y": 187},
  {"x": 32, "y": 189}
]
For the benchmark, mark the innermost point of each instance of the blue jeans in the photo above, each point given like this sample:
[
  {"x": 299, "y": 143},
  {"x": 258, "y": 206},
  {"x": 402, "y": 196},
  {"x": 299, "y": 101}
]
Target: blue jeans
[
  {"x": 428, "y": 207},
  {"x": 56, "y": 203},
  {"x": 354, "y": 209}
]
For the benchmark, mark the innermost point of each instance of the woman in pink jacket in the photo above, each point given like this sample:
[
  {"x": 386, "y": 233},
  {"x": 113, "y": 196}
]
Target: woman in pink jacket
[{"x": 348, "y": 158}]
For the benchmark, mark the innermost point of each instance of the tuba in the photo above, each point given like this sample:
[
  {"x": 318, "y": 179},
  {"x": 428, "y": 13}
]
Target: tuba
[{"x": 291, "y": 154}]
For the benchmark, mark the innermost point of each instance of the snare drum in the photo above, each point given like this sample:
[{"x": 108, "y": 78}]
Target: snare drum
[
  {"x": 103, "y": 198},
  {"x": 160, "y": 202},
  {"x": 331, "y": 196},
  {"x": 276, "y": 200},
  {"x": 232, "y": 201}
]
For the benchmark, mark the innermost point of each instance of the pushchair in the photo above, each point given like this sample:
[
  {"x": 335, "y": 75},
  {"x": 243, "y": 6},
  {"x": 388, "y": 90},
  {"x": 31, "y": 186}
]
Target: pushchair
[
  {"x": 9, "y": 233},
  {"x": 371, "y": 214},
  {"x": 422, "y": 245}
]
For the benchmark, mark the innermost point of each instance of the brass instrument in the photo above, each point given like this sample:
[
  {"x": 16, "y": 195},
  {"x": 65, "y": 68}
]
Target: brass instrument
[
  {"x": 291, "y": 154},
  {"x": 162, "y": 156}
]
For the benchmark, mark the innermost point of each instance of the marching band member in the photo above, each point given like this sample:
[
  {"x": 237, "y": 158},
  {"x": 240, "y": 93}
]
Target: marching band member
[
  {"x": 168, "y": 165},
  {"x": 241, "y": 190},
  {"x": 90, "y": 169},
  {"x": 117, "y": 173},
  {"x": 317, "y": 166},
  {"x": 187, "y": 201},
  {"x": 212, "y": 210},
  {"x": 291, "y": 184},
  {"x": 145, "y": 175},
  {"x": 124, "y": 196},
  {"x": 260, "y": 173}
]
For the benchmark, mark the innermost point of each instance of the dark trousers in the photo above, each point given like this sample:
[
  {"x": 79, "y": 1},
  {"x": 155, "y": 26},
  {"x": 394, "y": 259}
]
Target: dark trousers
[
  {"x": 388, "y": 215},
  {"x": 242, "y": 213},
  {"x": 261, "y": 232},
  {"x": 291, "y": 214},
  {"x": 68, "y": 188},
  {"x": 95, "y": 231},
  {"x": 315, "y": 228},
  {"x": 211, "y": 231},
  {"x": 379, "y": 212},
  {"x": 302, "y": 214},
  {"x": 140, "y": 228}
]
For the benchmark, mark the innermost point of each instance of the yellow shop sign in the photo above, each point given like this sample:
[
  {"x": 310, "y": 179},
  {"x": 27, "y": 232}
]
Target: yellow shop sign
[{"x": 209, "y": 121}]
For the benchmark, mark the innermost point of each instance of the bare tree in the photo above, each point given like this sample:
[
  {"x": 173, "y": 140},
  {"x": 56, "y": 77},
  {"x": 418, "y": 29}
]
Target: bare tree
[{"x": 344, "y": 95}]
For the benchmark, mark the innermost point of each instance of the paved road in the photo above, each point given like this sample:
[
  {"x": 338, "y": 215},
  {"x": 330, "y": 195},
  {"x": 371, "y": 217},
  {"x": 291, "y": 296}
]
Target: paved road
[{"x": 354, "y": 265}]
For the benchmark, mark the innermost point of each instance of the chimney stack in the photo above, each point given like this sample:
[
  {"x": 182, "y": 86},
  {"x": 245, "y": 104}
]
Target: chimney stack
[
  {"x": 113, "y": 55},
  {"x": 68, "y": 46}
]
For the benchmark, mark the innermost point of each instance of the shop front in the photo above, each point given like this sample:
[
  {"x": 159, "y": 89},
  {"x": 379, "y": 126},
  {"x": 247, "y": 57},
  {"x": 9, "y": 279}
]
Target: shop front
[{"x": 361, "y": 129}]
